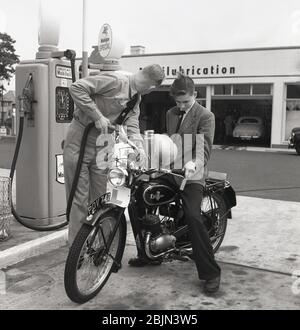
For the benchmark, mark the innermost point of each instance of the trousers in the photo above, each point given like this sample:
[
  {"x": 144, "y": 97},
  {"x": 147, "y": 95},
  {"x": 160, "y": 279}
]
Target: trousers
[
  {"x": 203, "y": 254},
  {"x": 92, "y": 180}
]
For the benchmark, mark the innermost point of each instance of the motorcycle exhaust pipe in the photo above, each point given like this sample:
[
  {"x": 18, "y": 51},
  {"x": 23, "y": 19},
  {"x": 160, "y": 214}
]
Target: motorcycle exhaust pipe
[{"x": 149, "y": 253}]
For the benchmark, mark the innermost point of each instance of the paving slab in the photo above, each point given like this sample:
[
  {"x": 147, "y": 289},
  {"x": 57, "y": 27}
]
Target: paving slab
[
  {"x": 263, "y": 233},
  {"x": 38, "y": 284}
]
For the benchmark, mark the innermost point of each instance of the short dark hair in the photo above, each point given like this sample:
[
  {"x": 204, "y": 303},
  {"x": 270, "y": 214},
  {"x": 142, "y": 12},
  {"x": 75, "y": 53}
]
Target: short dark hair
[
  {"x": 154, "y": 72},
  {"x": 182, "y": 85}
]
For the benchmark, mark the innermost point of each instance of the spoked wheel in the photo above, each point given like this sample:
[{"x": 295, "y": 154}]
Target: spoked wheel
[
  {"x": 214, "y": 210},
  {"x": 91, "y": 260}
]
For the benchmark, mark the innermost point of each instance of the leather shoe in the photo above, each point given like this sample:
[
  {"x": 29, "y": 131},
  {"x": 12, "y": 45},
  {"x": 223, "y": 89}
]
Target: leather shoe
[
  {"x": 141, "y": 262},
  {"x": 212, "y": 286}
]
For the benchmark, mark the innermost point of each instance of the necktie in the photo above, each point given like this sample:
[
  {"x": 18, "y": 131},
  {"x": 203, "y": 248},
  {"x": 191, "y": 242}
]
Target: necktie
[{"x": 180, "y": 117}]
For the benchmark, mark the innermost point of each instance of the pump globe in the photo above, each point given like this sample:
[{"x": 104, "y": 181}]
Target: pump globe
[
  {"x": 110, "y": 46},
  {"x": 49, "y": 25}
]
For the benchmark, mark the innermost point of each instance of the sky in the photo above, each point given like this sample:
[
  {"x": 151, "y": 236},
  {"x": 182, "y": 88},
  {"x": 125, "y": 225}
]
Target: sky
[{"x": 159, "y": 25}]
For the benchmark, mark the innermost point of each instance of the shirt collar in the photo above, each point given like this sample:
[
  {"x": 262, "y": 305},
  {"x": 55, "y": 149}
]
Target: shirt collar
[{"x": 186, "y": 111}]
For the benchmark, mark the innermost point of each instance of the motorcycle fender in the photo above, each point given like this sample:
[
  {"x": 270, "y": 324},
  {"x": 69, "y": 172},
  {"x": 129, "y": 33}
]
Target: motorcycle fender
[
  {"x": 230, "y": 199},
  {"x": 92, "y": 220}
]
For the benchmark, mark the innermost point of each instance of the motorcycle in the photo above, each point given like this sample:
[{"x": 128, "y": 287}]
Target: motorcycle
[{"x": 156, "y": 215}]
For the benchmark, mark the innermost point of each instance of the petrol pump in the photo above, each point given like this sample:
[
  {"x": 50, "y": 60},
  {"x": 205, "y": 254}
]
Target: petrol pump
[
  {"x": 45, "y": 109},
  {"x": 40, "y": 179}
]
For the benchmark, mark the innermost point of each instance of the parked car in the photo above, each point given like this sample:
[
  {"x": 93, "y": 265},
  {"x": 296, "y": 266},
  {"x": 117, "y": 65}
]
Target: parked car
[
  {"x": 294, "y": 140},
  {"x": 249, "y": 127}
]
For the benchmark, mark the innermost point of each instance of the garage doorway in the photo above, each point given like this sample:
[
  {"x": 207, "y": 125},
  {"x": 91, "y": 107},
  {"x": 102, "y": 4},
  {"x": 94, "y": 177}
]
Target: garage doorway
[
  {"x": 153, "y": 109},
  {"x": 227, "y": 114}
]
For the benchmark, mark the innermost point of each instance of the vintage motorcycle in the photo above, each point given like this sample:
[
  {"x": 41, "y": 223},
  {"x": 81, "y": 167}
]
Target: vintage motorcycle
[{"x": 156, "y": 216}]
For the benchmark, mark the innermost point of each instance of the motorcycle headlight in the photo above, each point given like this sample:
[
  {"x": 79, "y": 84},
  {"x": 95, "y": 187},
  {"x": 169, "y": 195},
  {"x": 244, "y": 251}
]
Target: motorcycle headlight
[{"x": 117, "y": 176}]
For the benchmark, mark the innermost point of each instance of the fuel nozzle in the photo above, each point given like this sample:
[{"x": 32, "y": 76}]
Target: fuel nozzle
[
  {"x": 21, "y": 100},
  {"x": 69, "y": 54},
  {"x": 27, "y": 99}
]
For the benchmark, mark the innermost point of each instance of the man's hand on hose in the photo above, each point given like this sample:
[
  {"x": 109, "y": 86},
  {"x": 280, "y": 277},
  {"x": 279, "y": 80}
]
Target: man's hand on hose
[{"x": 103, "y": 124}]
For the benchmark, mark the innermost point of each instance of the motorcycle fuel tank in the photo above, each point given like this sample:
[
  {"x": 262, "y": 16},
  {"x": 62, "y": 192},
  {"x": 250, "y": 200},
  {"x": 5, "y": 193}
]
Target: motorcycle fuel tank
[{"x": 158, "y": 194}]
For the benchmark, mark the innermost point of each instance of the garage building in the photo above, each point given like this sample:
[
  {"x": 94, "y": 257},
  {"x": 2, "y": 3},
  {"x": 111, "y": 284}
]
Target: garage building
[{"x": 261, "y": 82}]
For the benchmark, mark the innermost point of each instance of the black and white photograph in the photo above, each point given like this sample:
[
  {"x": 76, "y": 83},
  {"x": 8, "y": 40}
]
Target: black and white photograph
[{"x": 149, "y": 158}]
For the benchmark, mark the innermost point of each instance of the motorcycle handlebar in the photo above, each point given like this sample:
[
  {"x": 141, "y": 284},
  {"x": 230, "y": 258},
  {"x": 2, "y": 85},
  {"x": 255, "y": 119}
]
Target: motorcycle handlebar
[{"x": 165, "y": 171}]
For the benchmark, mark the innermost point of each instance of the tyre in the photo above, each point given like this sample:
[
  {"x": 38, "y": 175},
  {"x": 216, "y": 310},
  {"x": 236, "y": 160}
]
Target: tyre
[
  {"x": 297, "y": 147},
  {"x": 214, "y": 211},
  {"x": 89, "y": 264}
]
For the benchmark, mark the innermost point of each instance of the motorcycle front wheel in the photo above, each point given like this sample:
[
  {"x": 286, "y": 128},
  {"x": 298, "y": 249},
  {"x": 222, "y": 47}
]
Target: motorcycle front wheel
[{"x": 91, "y": 261}]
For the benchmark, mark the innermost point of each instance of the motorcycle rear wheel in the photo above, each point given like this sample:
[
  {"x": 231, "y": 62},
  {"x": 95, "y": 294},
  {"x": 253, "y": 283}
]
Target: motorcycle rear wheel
[
  {"x": 89, "y": 264},
  {"x": 214, "y": 210}
]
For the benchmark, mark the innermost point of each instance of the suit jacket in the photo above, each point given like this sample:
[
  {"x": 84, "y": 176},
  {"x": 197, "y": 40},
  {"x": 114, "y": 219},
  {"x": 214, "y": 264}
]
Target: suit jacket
[{"x": 194, "y": 138}]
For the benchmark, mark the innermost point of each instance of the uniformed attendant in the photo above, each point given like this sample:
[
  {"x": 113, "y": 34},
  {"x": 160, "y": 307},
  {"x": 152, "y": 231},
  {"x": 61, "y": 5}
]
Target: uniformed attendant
[{"x": 100, "y": 99}]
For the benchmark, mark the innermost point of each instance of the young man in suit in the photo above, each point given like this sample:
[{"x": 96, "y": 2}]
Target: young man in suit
[{"x": 189, "y": 121}]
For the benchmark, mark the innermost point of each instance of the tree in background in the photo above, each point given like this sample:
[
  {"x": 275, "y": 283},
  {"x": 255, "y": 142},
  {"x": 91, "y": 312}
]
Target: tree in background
[{"x": 8, "y": 58}]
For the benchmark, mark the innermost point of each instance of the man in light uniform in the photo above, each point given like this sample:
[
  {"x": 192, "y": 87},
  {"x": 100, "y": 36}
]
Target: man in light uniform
[{"x": 100, "y": 99}]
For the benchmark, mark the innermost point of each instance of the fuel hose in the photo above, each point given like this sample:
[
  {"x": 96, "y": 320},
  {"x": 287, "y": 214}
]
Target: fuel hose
[
  {"x": 27, "y": 223},
  {"x": 78, "y": 168}
]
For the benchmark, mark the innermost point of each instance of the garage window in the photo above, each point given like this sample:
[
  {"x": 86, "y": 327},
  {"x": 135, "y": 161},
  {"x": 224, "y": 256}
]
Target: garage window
[
  {"x": 238, "y": 90},
  {"x": 241, "y": 89},
  {"x": 222, "y": 90},
  {"x": 261, "y": 89},
  {"x": 293, "y": 92},
  {"x": 201, "y": 95},
  {"x": 201, "y": 92}
]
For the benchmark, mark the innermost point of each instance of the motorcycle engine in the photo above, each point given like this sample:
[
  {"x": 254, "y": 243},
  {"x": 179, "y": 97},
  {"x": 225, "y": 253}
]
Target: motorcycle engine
[
  {"x": 159, "y": 241},
  {"x": 162, "y": 243}
]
